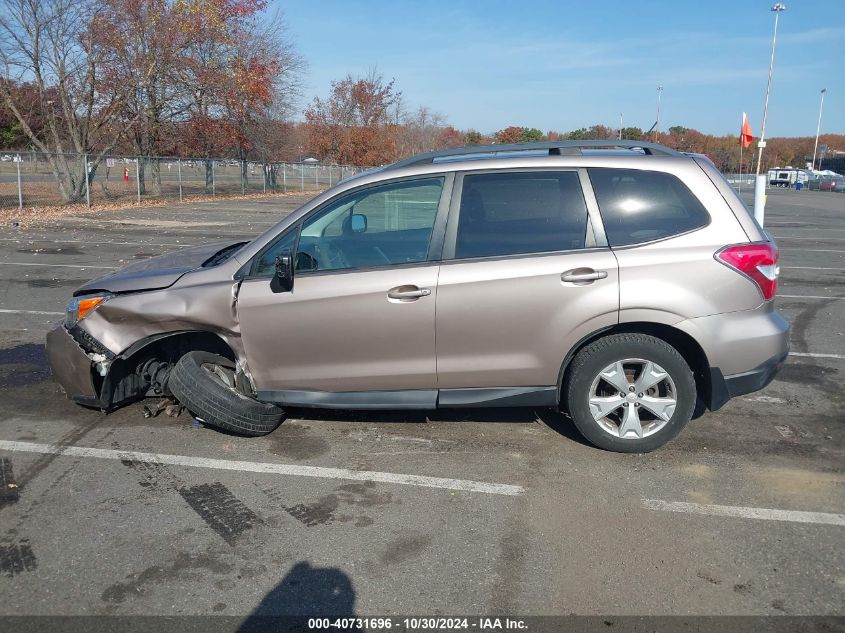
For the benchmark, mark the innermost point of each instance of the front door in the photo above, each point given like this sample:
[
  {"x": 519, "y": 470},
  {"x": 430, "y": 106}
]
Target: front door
[
  {"x": 360, "y": 317},
  {"x": 523, "y": 279}
]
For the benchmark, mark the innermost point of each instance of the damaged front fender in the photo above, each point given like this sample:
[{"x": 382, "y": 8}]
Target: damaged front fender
[{"x": 122, "y": 351}]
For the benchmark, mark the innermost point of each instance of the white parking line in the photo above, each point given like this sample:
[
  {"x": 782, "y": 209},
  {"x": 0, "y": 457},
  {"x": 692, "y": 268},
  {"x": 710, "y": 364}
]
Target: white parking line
[
  {"x": 4, "y": 311},
  {"x": 808, "y": 268},
  {"x": 811, "y": 250},
  {"x": 171, "y": 231},
  {"x": 809, "y": 297},
  {"x": 743, "y": 512},
  {"x": 95, "y": 244},
  {"x": 57, "y": 265},
  {"x": 800, "y": 228},
  {"x": 809, "y": 355},
  {"x": 819, "y": 238},
  {"x": 267, "y": 468},
  {"x": 209, "y": 232}
]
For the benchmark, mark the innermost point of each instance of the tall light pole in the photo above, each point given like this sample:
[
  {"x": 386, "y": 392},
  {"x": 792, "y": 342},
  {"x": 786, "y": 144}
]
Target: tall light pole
[
  {"x": 818, "y": 128},
  {"x": 620, "y": 127},
  {"x": 657, "y": 122},
  {"x": 760, "y": 184}
]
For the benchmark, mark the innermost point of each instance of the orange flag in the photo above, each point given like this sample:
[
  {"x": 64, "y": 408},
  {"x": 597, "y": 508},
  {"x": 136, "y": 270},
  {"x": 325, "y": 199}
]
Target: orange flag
[{"x": 745, "y": 135}]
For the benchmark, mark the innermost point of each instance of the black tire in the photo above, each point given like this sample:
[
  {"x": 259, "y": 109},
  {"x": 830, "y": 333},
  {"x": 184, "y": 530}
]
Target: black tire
[
  {"x": 595, "y": 357},
  {"x": 216, "y": 404}
]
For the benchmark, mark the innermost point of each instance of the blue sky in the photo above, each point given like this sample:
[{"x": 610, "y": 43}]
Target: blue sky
[{"x": 561, "y": 65}]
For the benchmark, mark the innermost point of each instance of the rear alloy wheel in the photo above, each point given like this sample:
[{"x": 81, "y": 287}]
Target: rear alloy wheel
[
  {"x": 633, "y": 398},
  {"x": 630, "y": 393}
]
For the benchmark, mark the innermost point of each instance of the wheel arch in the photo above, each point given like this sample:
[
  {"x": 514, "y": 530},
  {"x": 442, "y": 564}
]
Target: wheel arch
[
  {"x": 686, "y": 345},
  {"x": 201, "y": 340},
  {"x": 127, "y": 379}
]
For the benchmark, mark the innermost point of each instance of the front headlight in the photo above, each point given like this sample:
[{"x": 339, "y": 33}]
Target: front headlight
[{"x": 80, "y": 307}]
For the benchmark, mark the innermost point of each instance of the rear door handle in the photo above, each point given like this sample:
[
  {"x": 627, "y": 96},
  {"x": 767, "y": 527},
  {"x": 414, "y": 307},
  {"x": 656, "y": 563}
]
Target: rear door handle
[
  {"x": 582, "y": 275},
  {"x": 407, "y": 293}
]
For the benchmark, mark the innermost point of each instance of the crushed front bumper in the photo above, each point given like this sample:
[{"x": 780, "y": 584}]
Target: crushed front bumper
[{"x": 71, "y": 366}]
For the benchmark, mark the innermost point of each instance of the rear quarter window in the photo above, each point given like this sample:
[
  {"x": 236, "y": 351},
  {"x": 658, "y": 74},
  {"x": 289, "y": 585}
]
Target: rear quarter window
[{"x": 641, "y": 206}]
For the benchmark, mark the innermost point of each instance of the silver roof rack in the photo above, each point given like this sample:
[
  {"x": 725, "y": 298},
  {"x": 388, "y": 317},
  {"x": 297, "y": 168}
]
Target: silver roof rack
[{"x": 554, "y": 148}]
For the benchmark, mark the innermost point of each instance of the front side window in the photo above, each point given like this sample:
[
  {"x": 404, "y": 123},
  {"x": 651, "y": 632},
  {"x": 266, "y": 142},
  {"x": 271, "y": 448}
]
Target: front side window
[
  {"x": 511, "y": 213},
  {"x": 640, "y": 206},
  {"x": 378, "y": 226}
]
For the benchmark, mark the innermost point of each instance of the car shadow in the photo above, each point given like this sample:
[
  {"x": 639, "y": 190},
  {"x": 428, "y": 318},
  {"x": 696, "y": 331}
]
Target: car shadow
[
  {"x": 421, "y": 416},
  {"x": 553, "y": 419},
  {"x": 304, "y": 593}
]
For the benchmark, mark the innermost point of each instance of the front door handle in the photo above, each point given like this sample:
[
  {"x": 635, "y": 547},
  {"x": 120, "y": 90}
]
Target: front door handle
[
  {"x": 407, "y": 293},
  {"x": 582, "y": 275}
]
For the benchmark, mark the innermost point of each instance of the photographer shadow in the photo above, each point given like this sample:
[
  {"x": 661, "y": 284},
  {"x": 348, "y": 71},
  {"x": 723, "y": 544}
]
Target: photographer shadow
[{"x": 305, "y": 592}]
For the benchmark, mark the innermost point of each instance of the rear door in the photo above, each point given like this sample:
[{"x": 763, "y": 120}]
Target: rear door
[{"x": 526, "y": 274}]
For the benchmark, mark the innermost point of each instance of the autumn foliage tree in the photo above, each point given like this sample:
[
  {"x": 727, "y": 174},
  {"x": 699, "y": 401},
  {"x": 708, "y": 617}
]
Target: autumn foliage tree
[
  {"x": 104, "y": 72},
  {"x": 474, "y": 137},
  {"x": 450, "y": 137},
  {"x": 353, "y": 124},
  {"x": 237, "y": 69},
  {"x": 512, "y": 134},
  {"x": 26, "y": 99}
]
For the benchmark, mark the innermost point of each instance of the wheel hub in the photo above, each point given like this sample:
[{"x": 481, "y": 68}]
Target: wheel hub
[{"x": 632, "y": 398}]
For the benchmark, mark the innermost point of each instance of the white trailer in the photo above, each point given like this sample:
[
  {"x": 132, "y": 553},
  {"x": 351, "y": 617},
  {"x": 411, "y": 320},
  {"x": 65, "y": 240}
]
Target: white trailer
[{"x": 788, "y": 176}]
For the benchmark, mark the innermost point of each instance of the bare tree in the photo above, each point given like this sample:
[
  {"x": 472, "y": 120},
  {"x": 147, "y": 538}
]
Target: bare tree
[
  {"x": 421, "y": 131},
  {"x": 240, "y": 68},
  {"x": 149, "y": 40},
  {"x": 55, "y": 46},
  {"x": 257, "y": 113}
]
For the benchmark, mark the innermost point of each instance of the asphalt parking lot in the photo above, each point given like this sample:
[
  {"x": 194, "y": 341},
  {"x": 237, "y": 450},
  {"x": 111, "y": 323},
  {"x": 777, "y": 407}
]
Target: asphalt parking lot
[{"x": 524, "y": 517}]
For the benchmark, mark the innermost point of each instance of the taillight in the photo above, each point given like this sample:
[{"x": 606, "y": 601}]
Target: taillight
[{"x": 759, "y": 262}]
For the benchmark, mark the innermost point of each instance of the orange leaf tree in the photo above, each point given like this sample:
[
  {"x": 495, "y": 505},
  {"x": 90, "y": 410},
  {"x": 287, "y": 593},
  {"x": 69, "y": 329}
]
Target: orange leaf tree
[{"x": 353, "y": 125}]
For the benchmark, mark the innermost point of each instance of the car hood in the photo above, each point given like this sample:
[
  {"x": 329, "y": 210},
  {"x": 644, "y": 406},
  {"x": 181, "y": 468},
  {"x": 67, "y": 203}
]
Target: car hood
[{"x": 155, "y": 272}]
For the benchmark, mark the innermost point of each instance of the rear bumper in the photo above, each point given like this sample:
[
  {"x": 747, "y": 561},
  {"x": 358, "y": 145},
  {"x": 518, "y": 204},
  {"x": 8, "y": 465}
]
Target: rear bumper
[
  {"x": 744, "y": 350},
  {"x": 723, "y": 388},
  {"x": 71, "y": 366}
]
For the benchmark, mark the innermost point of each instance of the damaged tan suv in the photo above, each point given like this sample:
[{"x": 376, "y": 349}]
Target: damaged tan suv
[{"x": 621, "y": 281}]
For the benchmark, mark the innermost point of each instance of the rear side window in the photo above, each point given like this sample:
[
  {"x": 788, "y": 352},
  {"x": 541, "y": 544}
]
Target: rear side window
[
  {"x": 640, "y": 206},
  {"x": 527, "y": 212}
]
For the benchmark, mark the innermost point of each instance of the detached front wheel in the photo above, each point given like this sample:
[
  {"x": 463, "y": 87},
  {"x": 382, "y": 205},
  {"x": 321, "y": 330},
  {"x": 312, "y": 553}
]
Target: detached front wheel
[
  {"x": 630, "y": 393},
  {"x": 206, "y": 384}
]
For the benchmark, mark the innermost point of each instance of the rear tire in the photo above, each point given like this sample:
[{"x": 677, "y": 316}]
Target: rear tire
[
  {"x": 611, "y": 399},
  {"x": 196, "y": 385}
]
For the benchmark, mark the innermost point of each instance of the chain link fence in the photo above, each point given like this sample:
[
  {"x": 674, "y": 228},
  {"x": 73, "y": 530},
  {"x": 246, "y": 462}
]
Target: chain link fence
[
  {"x": 743, "y": 182},
  {"x": 38, "y": 179}
]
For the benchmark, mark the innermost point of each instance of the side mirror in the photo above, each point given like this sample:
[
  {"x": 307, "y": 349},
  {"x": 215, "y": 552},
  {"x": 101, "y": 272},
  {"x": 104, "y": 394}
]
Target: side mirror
[
  {"x": 283, "y": 278},
  {"x": 358, "y": 223}
]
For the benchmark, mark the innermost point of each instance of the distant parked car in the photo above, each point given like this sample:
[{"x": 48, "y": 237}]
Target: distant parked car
[{"x": 832, "y": 183}]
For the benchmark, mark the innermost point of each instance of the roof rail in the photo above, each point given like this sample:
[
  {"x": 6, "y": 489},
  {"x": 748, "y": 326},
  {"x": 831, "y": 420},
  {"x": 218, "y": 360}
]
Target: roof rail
[{"x": 554, "y": 148}]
